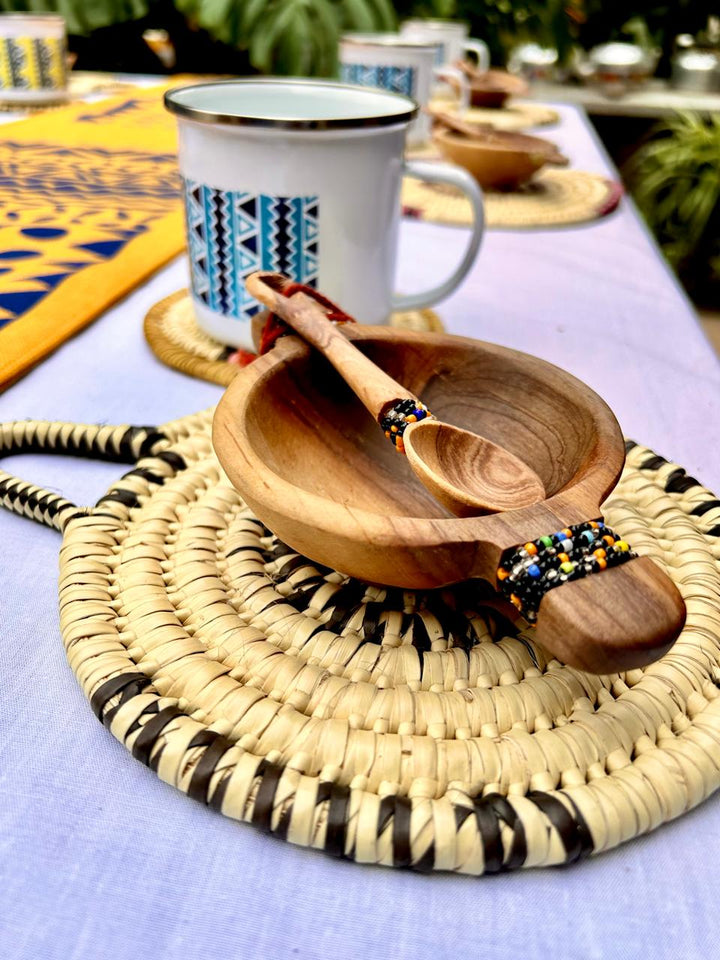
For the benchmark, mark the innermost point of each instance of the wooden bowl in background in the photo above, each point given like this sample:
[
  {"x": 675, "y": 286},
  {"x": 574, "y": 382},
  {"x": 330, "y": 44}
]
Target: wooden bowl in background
[{"x": 498, "y": 159}]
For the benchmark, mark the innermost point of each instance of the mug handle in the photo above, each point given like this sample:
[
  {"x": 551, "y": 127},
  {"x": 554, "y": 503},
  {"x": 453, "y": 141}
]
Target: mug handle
[
  {"x": 481, "y": 51},
  {"x": 456, "y": 177},
  {"x": 452, "y": 73}
]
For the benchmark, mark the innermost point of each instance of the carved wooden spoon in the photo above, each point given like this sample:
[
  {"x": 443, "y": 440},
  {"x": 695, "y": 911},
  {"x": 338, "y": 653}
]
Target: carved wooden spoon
[{"x": 467, "y": 473}]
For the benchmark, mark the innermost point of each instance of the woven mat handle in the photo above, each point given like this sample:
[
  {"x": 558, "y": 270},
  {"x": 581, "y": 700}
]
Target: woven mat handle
[{"x": 116, "y": 444}]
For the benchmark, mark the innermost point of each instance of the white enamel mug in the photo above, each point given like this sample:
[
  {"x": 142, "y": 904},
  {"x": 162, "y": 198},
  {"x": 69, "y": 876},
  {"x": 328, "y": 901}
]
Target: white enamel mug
[
  {"x": 451, "y": 40},
  {"x": 301, "y": 177},
  {"x": 401, "y": 65},
  {"x": 33, "y": 58}
]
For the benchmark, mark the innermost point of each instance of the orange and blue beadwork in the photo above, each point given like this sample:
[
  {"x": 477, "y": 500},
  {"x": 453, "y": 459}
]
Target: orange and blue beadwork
[
  {"x": 396, "y": 418},
  {"x": 527, "y": 572}
]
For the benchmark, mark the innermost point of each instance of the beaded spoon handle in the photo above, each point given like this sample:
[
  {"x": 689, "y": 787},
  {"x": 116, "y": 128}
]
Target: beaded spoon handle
[{"x": 468, "y": 474}]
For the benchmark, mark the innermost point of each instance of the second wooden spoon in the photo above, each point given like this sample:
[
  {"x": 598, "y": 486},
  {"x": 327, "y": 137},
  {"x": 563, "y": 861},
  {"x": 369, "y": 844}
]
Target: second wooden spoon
[{"x": 467, "y": 473}]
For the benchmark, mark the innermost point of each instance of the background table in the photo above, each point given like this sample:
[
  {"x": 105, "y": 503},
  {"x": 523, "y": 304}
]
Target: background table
[{"x": 102, "y": 861}]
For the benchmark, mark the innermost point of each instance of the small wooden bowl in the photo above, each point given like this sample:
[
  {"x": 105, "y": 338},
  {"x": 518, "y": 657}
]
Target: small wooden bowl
[
  {"x": 312, "y": 464},
  {"x": 498, "y": 159},
  {"x": 491, "y": 89}
]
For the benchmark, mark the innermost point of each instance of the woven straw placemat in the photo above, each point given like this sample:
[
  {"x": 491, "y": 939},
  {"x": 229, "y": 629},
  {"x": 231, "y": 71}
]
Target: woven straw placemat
[
  {"x": 175, "y": 339},
  {"x": 514, "y": 115},
  {"x": 553, "y": 198},
  {"x": 385, "y": 726}
]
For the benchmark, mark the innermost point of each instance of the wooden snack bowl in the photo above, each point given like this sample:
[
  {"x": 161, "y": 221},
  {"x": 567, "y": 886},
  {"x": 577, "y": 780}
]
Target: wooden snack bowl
[
  {"x": 498, "y": 159},
  {"x": 491, "y": 89},
  {"x": 314, "y": 467}
]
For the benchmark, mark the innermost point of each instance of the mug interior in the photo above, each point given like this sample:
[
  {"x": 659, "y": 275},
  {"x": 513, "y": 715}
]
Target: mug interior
[{"x": 290, "y": 103}]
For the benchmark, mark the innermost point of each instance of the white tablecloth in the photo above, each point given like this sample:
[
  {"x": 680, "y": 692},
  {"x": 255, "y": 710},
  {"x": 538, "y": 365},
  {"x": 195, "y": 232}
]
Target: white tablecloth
[{"x": 102, "y": 861}]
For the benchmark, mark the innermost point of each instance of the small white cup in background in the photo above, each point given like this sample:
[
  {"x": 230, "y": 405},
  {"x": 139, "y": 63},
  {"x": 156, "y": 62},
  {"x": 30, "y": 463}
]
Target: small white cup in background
[
  {"x": 301, "y": 177},
  {"x": 451, "y": 41},
  {"x": 33, "y": 58},
  {"x": 402, "y": 65}
]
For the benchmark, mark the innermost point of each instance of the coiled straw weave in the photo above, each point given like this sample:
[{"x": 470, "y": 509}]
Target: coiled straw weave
[{"x": 417, "y": 730}]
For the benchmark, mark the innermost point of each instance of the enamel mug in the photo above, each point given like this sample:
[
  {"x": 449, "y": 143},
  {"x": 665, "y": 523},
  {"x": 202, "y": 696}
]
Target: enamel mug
[
  {"x": 33, "y": 58},
  {"x": 401, "y": 65},
  {"x": 301, "y": 177},
  {"x": 451, "y": 40}
]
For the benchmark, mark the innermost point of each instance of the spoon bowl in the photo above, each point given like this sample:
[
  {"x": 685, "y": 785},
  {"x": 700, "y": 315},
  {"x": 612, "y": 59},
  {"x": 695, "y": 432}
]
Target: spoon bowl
[{"x": 466, "y": 472}]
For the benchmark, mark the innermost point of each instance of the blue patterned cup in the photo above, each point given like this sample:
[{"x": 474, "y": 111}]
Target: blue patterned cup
[
  {"x": 301, "y": 177},
  {"x": 400, "y": 65}
]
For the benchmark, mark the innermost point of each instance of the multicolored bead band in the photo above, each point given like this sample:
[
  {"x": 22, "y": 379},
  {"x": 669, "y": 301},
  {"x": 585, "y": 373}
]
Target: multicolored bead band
[
  {"x": 527, "y": 573},
  {"x": 397, "y": 418}
]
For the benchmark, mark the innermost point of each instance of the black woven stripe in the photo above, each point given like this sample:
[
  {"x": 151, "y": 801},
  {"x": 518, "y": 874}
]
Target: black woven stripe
[
  {"x": 714, "y": 531},
  {"x": 489, "y": 829},
  {"x": 402, "y": 854},
  {"x": 173, "y": 460},
  {"x": 154, "y": 436},
  {"x": 679, "y": 482},
  {"x": 145, "y": 740},
  {"x": 145, "y": 474},
  {"x": 245, "y": 549},
  {"x": 653, "y": 463},
  {"x": 385, "y": 812},
  {"x": 455, "y": 626},
  {"x": 586, "y": 841},
  {"x": 215, "y": 747},
  {"x": 373, "y": 630},
  {"x": 218, "y": 797},
  {"x": 283, "y": 824},
  {"x": 150, "y": 709},
  {"x": 270, "y": 774},
  {"x": 573, "y": 839},
  {"x": 421, "y": 638},
  {"x": 337, "y": 821},
  {"x": 125, "y": 497},
  {"x": 426, "y": 862},
  {"x": 504, "y": 811},
  {"x": 630, "y": 445},
  {"x": 705, "y": 507},
  {"x": 111, "y": 688}
]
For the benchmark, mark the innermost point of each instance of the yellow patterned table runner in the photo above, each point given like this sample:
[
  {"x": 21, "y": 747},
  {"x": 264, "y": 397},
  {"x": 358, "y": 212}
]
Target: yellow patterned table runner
[{"x": 89, "y": 207}]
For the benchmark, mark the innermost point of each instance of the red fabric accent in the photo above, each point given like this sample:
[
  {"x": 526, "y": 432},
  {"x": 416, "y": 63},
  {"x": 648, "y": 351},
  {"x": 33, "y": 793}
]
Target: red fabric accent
[
  {"x": 241, "y": 358},
  {"x": 275, "y": 327}
]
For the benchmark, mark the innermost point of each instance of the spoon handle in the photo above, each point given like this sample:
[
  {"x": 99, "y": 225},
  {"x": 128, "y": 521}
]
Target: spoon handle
[{"x": 373, "y": 387}]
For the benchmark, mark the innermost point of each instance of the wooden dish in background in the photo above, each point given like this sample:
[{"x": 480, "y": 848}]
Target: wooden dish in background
[
  {"x": 492, "y": 88},
  {"x": 498, "y": 159}
]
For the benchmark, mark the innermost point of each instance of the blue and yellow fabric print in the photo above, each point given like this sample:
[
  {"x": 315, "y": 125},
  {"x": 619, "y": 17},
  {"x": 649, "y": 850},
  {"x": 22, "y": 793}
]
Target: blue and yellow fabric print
[{"x": 90, "y": 205}]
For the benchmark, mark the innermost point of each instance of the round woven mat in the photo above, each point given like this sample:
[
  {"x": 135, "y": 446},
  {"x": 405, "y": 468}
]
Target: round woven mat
[
  {"x": 553, "y": 198},
  {"x": 175, "y": 338},
  {"x": 385, "y": 726},
  {"x": 514, "y": 115}
]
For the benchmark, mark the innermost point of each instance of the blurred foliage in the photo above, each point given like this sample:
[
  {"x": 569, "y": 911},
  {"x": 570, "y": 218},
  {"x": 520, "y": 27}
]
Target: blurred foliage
[
  {"x": 675, "y": 181},
  {"x": 300, "y": 36},
  {"x": 82, "y": 16},
  {"x": 289, "y": 36}
]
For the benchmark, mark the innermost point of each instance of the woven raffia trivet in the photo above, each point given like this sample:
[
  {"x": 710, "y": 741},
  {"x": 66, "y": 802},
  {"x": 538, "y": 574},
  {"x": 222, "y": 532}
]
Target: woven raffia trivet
[
  {"x": 514, "y": 115},
  {"x": 408, "y": 729},
  {"x": 553, "y": 198},
  {"x": 175, "y": 338}
]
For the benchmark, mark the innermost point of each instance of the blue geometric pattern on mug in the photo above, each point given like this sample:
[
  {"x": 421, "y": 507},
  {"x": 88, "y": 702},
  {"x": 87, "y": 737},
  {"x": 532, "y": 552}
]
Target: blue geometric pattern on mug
[
  {"x": 232, "y": 233},
  {"x": 396, "y": 79}
]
